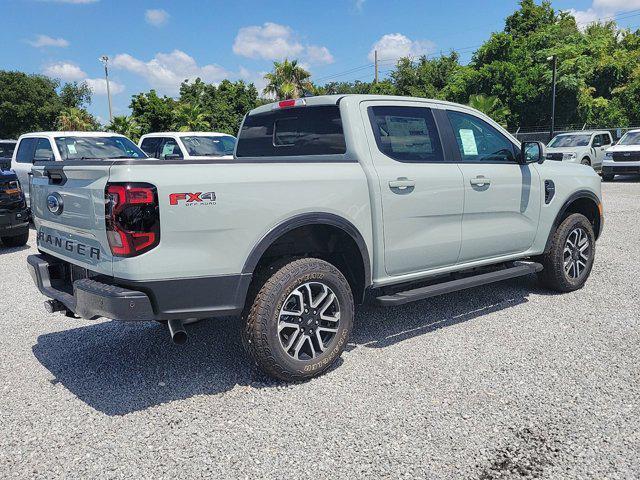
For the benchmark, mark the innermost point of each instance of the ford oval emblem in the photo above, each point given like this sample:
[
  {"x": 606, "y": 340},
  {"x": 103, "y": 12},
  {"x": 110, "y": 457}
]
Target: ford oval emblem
[{"x": 54, "y": 203}]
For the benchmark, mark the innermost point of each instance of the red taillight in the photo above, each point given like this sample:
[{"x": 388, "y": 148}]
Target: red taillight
[{"x": 132, "y": 218}]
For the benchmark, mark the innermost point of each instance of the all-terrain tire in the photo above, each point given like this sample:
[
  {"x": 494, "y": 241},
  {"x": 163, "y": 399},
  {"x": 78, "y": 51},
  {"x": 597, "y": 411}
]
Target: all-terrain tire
[
  {"x": 264, "y": 336},
  {"x": 555, "y": 275},
  {"x": 16, "y": 240}
]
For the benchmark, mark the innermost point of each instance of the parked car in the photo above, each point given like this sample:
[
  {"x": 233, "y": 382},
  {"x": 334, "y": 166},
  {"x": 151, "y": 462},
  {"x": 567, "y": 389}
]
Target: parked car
[
  {"x": 14, "y": 217},
  {"x": 68, "y": 146},
  {"x": 587, "y": 148},
  {"x": 6, "y": 152},
  {"x": 623, "y": 157},
  {"x": 327, "y": 197},
  {"x": 188, "y": 145}
]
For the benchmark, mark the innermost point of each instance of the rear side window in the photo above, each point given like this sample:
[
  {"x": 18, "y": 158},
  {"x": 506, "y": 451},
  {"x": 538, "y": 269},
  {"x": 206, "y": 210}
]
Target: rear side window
[
  {"x": 293, "y": 132},
  {"x": 406, "y": 134},
  {"x": 150, "y": 145},
  {"x": 43, "y": 153},
  {"x": 25, "y": 150}
]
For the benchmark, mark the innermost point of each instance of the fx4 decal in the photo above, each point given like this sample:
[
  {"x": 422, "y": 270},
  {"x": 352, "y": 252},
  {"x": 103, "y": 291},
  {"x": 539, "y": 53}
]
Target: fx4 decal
[{"x": 190, "y": 199}]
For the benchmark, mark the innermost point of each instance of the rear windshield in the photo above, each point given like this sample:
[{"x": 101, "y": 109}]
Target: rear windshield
[
  {"x": 295, "y": 131},
  {"x": 215, "y": 146},
  {"x": 97, "y": 148},
  {"x": 570, "y": 141},
  {"x": 6, "y": 149}
]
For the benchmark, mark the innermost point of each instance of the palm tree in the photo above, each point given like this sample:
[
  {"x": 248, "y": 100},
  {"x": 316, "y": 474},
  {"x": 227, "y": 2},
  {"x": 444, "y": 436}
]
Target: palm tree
[
  {"x": 189, "y": 118},
  {"x": 126, "y": 126},
  {"x": 73, "y": 118},
  {"x": 490, "y": 106},
  {"x": 287, "y": 80}
]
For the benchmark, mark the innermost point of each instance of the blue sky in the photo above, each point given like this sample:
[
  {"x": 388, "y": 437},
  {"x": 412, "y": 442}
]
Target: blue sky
[{"x": 157, "y": 43}]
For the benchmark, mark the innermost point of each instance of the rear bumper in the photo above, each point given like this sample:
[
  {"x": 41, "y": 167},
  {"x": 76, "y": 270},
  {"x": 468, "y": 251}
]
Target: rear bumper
[
  {"x": 118, "y": 299},
  {"x": 14, "y": 222}
]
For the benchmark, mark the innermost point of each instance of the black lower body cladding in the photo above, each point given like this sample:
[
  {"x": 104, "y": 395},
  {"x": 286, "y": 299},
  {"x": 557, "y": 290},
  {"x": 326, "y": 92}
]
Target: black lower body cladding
[{"x": 101, "y": 296}]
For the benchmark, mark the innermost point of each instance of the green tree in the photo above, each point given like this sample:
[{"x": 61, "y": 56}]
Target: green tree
[
  {"x": 28, "y": 103},
  {"x": 223, "y": 105},
  {"x": 288, "y": 80},
  {"x": 190, "y": 118},
  {"x": 75, "y": 119},
  {"x": 491, "y": 106},
  {"x": 75, "y": 95},
  {"x": 126, "y": 126},
  {"x": 151, "y": 112}
]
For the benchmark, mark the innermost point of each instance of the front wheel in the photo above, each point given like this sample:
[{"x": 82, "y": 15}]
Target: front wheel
[
  {"x": 586, "y": 161},
  {"x": 568, "y": 263},
  {"x": 300, "y": 320}
]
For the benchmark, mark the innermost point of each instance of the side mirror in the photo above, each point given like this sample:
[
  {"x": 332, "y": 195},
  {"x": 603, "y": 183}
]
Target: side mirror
[{"x": 532, "y": 152}]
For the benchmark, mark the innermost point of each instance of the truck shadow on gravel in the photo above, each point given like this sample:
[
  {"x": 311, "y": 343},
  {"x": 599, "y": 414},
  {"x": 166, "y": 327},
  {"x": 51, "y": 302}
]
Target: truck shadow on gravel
[{"x": 119, "y": 368}]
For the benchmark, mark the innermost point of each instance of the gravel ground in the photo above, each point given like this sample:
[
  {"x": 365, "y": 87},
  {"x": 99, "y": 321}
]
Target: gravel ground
[{"x": 506, "y": 381}]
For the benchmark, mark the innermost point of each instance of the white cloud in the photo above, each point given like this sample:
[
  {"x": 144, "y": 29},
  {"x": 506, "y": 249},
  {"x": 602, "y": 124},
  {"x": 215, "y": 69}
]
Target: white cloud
[
  {"x": 272, "y": 41},
  {"x": 358, "y": 5},
  {"x": 316, "y": 55},
  {"x": 603, "y": 11},
  {"x": 46, "y": 41},
  {"x": 393, "y": 46},
  {"x": 156, "y": 17},
  {"x": 166, "y": 71},
  {"x": 65, "y": 71},
  {"x": 99, "y": 86}
]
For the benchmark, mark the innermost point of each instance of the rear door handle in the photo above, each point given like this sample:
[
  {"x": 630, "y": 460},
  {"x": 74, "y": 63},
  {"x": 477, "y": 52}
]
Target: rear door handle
[
  {"x": 402, "y": 183},
  {"x": 480, "y": 181}
]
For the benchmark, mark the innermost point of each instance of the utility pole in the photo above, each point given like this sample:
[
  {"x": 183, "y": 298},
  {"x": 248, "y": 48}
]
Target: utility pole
[
  {"x": 105, "y": 60},
  {"x": 375, "y": 56},
  {"x": 553, "y": 58}
]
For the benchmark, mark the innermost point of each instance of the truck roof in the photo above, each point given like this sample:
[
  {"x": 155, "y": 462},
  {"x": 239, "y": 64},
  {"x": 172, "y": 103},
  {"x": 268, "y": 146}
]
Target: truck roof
[
  {"x": 71, "y": 134},
  {"x": 334, "y": 99},
  {"x": 188, "y": 134}
]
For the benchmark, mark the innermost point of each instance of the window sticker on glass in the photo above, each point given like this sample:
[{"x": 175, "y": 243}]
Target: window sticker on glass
[
  {"x": 408, "y": 135},
  {"x": 469, "y": 146},
  {"x": 71, "y": 148},
  {"x": 167, "y": 149}
]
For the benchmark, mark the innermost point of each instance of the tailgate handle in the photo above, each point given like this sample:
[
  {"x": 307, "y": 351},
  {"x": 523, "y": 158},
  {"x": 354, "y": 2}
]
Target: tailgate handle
[{"x": 56, "y": 177}]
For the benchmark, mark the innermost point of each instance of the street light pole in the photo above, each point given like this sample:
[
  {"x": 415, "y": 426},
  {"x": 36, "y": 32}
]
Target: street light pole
[
  {"x": 553, "y": 58},
  {"x": 105, "y": 60}
]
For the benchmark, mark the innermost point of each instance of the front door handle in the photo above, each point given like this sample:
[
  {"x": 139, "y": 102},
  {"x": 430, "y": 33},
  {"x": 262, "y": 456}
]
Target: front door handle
[
  {"x": 402, "y": 183},
  {"x": 480, "y": 181}
]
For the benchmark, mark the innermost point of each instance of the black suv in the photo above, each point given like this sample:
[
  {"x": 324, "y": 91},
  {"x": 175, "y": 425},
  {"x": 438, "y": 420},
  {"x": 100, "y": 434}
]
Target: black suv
[{"x": 14, "y": 217}]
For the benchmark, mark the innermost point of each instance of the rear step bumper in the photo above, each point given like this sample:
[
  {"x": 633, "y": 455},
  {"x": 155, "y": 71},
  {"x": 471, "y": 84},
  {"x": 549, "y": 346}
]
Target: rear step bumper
[
  {"x": 520, "y": 269},
  {"x": 90, "y": 298}
]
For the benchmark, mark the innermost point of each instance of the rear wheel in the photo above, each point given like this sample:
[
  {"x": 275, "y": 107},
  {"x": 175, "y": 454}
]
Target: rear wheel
[
  {"x": 300, "y": 320},
  {"x": 568, "y": 263},
  {"x": 16, "y": 241}
]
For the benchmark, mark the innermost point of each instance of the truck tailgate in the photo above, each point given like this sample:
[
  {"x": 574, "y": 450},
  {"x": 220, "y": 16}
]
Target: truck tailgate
[{"x": 68, "y": 205}]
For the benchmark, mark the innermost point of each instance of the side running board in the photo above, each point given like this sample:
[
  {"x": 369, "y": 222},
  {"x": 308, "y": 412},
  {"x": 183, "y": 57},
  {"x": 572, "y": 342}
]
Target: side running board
[{"x": 408, "y": 296}]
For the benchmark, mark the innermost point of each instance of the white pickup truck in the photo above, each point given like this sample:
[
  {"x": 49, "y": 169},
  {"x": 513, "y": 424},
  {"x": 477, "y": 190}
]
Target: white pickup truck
[{"x": 326, "y": 198}]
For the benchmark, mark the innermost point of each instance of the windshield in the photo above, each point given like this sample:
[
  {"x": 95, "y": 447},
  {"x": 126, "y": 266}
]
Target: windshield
[
  {"x": 97, "y": 148},
  {"x": 570, "y": 141},
  {"x": 630, "y": 138},
  {"x": 209, "y": 146},
  {"x": 6, "y": 149}
]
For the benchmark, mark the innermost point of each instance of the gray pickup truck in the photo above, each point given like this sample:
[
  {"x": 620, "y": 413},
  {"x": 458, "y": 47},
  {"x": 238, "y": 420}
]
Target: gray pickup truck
[{"x": 326, "y": 198}]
